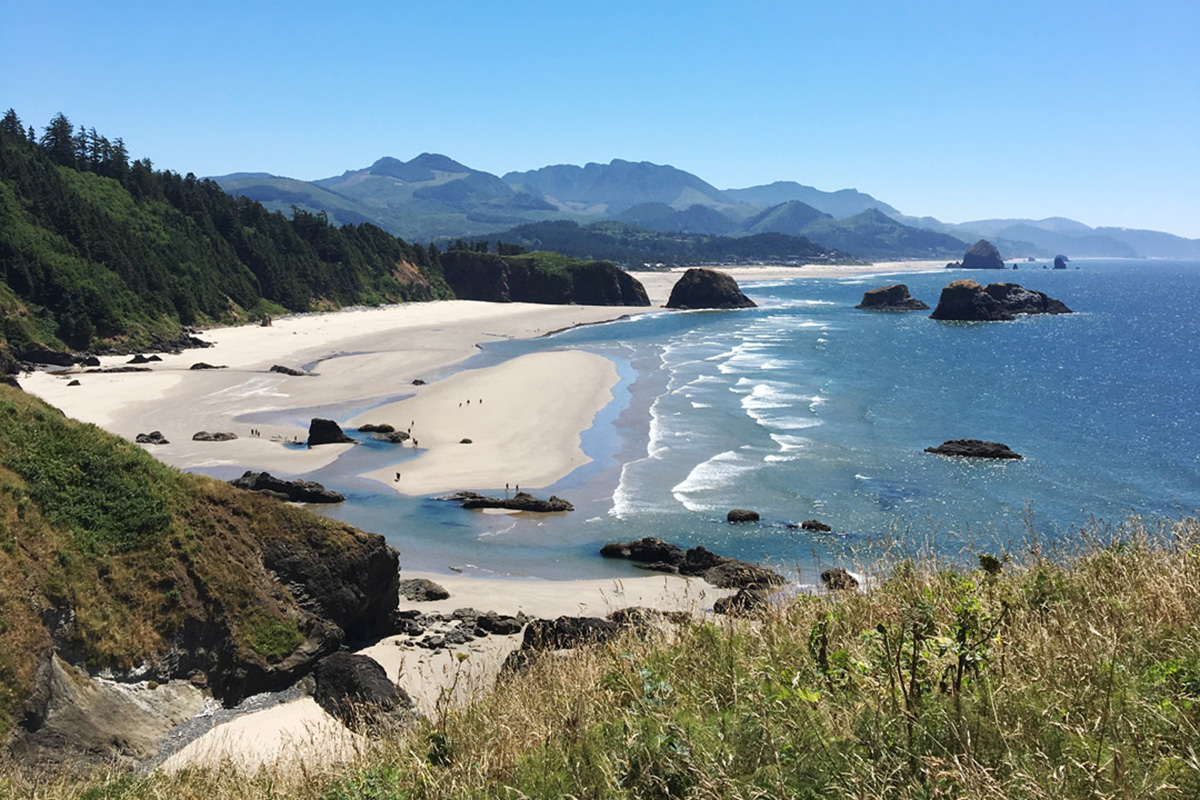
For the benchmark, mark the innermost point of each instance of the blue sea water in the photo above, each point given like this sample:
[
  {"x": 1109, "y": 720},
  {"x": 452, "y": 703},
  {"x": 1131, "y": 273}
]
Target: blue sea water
[{"x": 808, "y": 408}]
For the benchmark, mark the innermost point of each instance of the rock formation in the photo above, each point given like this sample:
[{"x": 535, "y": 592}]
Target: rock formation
[
  {"x": 153, "y": 437},
  {"x": 216, "y": 436},
  {"x": 973, "y": 448},
  {"x": 966, "y": 300},
  {"x": 816, "y": 525},
  {"x": 1060, "y": 261},
  {"x": 375, "y": 428},
  {"x": 981, "y": 255},
  {"x": 356, "y": 689},
  {"x": 707, "y": 288},
  {"x": 729, "y": 573},
  {"x": 521, "y": 279},
  {"x": 838, "y": 579},
  {"x": 395, "y": 437},
  {"x": 741, "y": 515},
  {"x": 891, "y": 298},
  {"x": 422, "y": 590},
  {"x": 326, "y": 431},
  {"x": 282, "y": 370},
  {"x": 205, "y": 365},
  {"x": 521, "y": 501},
  {"x": 296, "y": 491}
]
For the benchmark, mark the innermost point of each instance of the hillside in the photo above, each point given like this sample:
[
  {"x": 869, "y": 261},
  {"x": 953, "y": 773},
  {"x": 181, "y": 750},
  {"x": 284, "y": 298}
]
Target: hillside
[
  {"x": 839, "y": 204},
  {"x": 111, "y": 560},
  {"x": 874, "y": 235},
  {"x": 608, "y": 189},
  {"x": 97, "y": 252},
  {"x": 540, "y": 277}
]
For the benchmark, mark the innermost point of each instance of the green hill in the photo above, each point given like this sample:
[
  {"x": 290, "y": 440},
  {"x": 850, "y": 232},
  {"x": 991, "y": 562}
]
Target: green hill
[
  {"x": 98, "y": 252},
  {"x": 110, "y": 559}
]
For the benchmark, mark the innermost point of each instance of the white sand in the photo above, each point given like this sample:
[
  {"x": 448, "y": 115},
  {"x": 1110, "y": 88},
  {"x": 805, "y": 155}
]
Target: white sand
[{"x": 523, "y": 417}]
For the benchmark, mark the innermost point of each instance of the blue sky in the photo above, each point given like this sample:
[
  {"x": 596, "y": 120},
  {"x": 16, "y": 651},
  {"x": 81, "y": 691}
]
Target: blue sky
[{"x": 959, "y": 110}]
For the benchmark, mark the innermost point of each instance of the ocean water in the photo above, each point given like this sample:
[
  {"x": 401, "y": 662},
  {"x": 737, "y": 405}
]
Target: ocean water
[{"x": 808, "y": 408}]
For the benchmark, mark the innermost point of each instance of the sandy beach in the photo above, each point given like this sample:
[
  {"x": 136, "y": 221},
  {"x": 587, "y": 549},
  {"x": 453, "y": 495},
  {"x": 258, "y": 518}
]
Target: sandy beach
[{"x": 523, "y": 417}]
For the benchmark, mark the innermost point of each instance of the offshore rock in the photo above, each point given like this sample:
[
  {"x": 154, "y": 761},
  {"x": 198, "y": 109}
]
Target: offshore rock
[
  {"x": 521, "y": 501},
  {"x": 838, "y": 579},
  {"x": 707, "y": 288},
  {"x": 967, "y": 301},
  {"x": 974, "y": 448},
  {"x": 891, "y": 298},
  {"x": 375, "y": 428},
  {"x": 296, "y": 491},
  {"x": 1060, "y": 261},
  {"x": 729, "y": 573},
  {"x": 982, "y": 255},
  {"x": 816, "y": 525},
  {"x": 1016, "y": 299},
  {"x": 741, "y": 515},
  {"x": 326, "y": 431}
]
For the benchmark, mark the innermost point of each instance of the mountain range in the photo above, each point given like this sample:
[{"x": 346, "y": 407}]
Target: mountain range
[{"x": 433, "y": 197}]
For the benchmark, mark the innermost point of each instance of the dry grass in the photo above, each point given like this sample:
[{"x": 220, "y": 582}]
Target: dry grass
[{"x": 1065, "y": 674}]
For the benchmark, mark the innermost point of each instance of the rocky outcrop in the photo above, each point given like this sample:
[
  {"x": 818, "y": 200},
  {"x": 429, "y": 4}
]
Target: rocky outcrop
[
  {"x": 206, "y": 365},
  {"x": 838, "y": 579},
  {"x": 326, "y": 431},
  {"x": 1060, "y": 261},
  {"x": 422, "y": 590},
  {"x": 741, "y": 515},
  {"x": 566, "y": 633},
  {"x": 523, "y": 279},
  {"x": 38, "y": 354},
  {"x": 153, "y": 437},
  {"x": 746, "y": 601},
  {"x": 215, "y": 436},
  {"x": 296, "y": 491},
  {"x": 967, "y": 301},
  {"x": 138, "y": 358},
  {"x": 521, "y": 501},
  {"x": 816, "y": 525},
  {"x": 974, "y": 448},
  {"x": 891, "y": 298},
  {"x": 395, "y": 437},
  {"x": 707, "y": 288},
  {"x": 282, "y": 370},
  {"x": 357, "y": 690},
  {"x": 728, "y": 573},
  {"x": 981, "y": 255},
  {"x": 372, "y": 427}
]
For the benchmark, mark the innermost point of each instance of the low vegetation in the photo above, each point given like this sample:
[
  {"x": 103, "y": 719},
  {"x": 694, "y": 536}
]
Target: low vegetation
[{"x": 1065, "y": 674}]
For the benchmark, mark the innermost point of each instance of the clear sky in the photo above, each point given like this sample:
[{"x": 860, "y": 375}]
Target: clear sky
[{"x": 959, "y": 110}]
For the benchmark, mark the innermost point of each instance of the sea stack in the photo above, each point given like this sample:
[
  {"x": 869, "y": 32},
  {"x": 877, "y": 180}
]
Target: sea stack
[
  {"x": 967, "y": 301},
  {"x": 982, "y": 255},
  {"x": 707, "y": 288},
  {"x": 891, "y": 298},
  {"x": 1060, "y": 261}
]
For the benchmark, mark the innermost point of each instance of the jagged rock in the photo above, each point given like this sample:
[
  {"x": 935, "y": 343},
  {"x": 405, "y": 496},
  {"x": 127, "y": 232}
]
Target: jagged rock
[
  {"x": 565, "y": 633},
  {"x": 74, "y": 383},
  {"x": 153, "y": 437},
  {"x": 1016, "y": 299},
  {"x": 395, "y": 437},
  {"x": 741, "y": 515},
  {"x": 282, "y": 370},
  {"x": 744, "y": 602},
  {"x": 356, "y": 689},
  {"x": 973, "y": 448},
  {"x": 141, "y": 359},
  {"x": 296, "y": 491},
  {"x": 37, "y": 354},
  {"x": 1060, "y": 261},
  {"x": 420, "y": 590},
  {"x": 90, "y": 361},
  {"x": 838, "y": 579},
  {"x": 707, "y": 288},
  {"x": 498, "y": 624},
  {"x": 891, "y": 298},
  {"x": 982, "y": 255},
  {"x": 217, "y": 436},
  {"x": 816, "y": 525},
  {"x": 718, "y": 570},
  {"x": 326, "y": 431},
  {"x": 418, "y": 382},
  {"x": 521, "y": 501},
  {"x": 204, "y": 365},
  {"x": 372, "y": 427}
]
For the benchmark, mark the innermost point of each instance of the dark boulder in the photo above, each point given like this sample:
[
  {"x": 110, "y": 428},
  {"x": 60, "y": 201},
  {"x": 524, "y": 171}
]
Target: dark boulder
[
  {"x": 395, "y": 437},
  {"x": 741, "y": 515},
  {"x": 356, "y": 689},
  {"x": 153, "y": 437},
  {"x": 649, "y": 550},
  {"x": 521, "y": 501},
  {"x": 1060, "y": 261},
  {"x": 282, "y": 370},
  {"x": 982, "y": 255},
  {"x": 205, "y": 365},
  {"x": 966, "y": 301},
  {"x": 465, "y": 440},
  {"x": 891, "y": 298},
  {"x": 498, "y": 624},
  {"x": 707, "y": 288},
  {"x": 422, "y": 590},
  {"x": 376, "y": 428},
  {"x": 1016, "y": 299},
  {"x": 69, "y": 383},
  {"x": 141, "y": 359},
  {"x": 838, "y": 579},
  {"x": 816, "y": 525},
  {"x": 418, "y": 382},
  {"x": 296, "y": 491},
  {"x": 326, "y": 431},
  {"x": 90, "y": 361},
  {"x": 746, "y": 601},
  {"x": 974, "y": 448},
  {"x": 654, "y": 553},
  {"x": 566, "y": 633},
  {"x": 215, "y": 436}
]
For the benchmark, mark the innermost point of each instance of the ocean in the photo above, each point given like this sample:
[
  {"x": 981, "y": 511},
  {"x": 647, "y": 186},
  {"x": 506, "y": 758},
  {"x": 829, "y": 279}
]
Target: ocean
[{"x": 808, "y": 408}]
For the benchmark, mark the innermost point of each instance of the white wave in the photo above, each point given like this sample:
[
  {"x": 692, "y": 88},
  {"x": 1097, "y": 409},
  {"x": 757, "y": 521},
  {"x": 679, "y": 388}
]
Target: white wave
[
  {"x": 711, "y": 477},
  {"x": 701, "y": 405}
]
